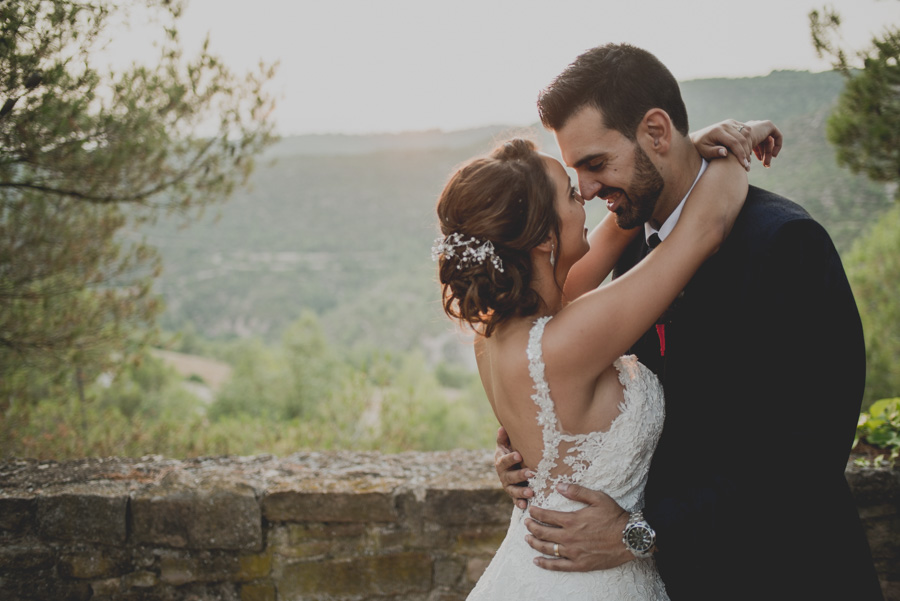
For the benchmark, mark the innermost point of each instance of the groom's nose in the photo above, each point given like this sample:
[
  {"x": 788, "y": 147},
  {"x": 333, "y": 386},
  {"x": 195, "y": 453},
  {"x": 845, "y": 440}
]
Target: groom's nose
[{"x": 588, "y": 187}]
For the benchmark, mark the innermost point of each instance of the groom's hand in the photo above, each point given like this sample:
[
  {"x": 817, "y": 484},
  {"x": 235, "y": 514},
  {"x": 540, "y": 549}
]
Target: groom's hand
[
  {"x": 589, "y": 539},
  {"x": 513, "y": 476}
]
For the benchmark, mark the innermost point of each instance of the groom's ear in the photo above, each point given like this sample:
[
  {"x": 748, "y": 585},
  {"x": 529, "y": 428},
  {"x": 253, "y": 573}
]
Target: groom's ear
[{"x": 655, "y": 130}]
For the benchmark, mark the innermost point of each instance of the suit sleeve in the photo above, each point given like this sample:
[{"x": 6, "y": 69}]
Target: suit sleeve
[{"x": 810, "y": 346}]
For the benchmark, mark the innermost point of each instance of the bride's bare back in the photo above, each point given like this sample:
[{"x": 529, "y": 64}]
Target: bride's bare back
[{"x": 503, "y": 367}]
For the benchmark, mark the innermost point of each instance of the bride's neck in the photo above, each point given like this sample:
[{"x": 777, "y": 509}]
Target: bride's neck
[{"x": 549, "y": 286}]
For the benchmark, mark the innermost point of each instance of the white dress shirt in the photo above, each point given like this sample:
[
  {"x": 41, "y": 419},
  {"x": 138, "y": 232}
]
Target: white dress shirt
[{"x": 669, "y": 224}]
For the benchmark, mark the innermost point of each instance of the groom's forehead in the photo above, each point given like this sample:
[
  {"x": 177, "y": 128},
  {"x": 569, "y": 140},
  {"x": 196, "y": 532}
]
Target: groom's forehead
[{"x": 585, "y": 138}]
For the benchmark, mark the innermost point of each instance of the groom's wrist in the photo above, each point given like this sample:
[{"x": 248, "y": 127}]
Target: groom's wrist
[{"x": 638, "y": 536}]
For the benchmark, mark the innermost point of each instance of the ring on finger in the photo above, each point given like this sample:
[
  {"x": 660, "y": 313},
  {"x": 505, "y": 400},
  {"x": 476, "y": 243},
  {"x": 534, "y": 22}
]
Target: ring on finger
[
  {"x": 556, "y": 549},
  {"x": 740, "y": 129}
]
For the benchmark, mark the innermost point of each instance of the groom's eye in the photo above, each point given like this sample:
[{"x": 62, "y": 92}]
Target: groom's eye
[{"x": 595, "y": 166}]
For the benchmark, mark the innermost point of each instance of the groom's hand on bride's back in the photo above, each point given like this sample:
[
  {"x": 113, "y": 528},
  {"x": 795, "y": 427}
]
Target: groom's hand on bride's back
[
  {"x": 579, "y": 541},
  {"x": 512, "y": 474}
]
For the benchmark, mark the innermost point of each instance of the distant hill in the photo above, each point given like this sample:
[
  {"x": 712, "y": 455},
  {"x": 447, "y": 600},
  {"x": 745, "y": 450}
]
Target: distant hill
[
  {"x": 344, "y": 144},
  {"x": 343, "y": 225}
]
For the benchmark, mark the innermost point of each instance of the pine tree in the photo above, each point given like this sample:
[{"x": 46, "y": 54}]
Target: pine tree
[
  {"x": 87, "y": 155},
  {"x": 865, "y": 125}
]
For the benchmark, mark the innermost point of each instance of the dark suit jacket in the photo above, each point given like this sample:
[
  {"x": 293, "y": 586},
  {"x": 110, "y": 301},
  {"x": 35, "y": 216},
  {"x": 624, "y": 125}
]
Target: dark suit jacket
[{"x": 763, "y": 375}]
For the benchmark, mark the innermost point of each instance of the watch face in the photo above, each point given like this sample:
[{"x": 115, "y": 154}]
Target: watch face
[{"x": 639, "y": 539}]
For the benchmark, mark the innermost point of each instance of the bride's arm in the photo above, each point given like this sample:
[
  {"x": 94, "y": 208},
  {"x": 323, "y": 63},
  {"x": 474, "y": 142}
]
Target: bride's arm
[
  {"x": 608, "y": 241},
  {"x": 592, "y": 331}
]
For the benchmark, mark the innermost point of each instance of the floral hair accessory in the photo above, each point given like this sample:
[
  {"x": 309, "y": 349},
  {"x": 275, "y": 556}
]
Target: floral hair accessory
[{"x": 473, "y": 251}]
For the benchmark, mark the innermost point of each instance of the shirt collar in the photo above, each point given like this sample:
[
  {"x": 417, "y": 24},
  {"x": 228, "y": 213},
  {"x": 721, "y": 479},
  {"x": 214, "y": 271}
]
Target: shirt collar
[{"x": 669, "y": 224}]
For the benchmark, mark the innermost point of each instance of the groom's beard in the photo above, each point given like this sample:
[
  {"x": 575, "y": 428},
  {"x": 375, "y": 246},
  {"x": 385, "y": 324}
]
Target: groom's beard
[{"x": 646, "y": 186}]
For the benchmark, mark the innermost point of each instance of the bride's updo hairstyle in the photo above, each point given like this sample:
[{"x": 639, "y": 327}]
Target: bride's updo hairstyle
[{"x": 506, "y": 199}]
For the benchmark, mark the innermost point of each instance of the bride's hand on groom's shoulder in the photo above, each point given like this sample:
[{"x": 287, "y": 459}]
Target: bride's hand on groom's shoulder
[
  {"x": 512, "y": 474},
  {"x": 579, "y": 541},
  {"x": 761, "y": 138},
  {"x": 766, "y": 140}
]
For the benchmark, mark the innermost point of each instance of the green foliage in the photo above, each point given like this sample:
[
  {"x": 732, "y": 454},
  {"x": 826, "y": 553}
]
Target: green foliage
[
  {"x": 865, "y": 125},
  {"x": 880, "y": 427},
  {"x": 145, "y": 388},
  {"x": 86, "y": 156},
  {"x": 305, "y": 394},
  {"x": 873, "y": 267},
  {"x": 377, "y": 400},
  {"x": 142, "y": 408}
]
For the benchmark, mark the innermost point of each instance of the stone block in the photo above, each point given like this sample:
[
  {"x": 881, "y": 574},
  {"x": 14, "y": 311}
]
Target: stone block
[
  {"x": 879, "y": 512},
  {"x": 258, "y": 591},
  {"x": 318, "y": 539},
  {"x": 874, "y": 486},
  {"x": 207, "y": 517},
  {"x": 479, "y": 540},
  {"x": 442, "y": 595},
  {"x": 460, "y": 507},
  {"x": 254, "y": 567},
  {"x": 25, "y": 556},
  {"x": 16, "y": 514},
  {"x": 305, "y": 506},
  {"x": 104, "y": 588},
  {"x": 41, "y": 586},
  {"x": 178, "y": 568},
  {"x": 475, "y": 567},
  {"x": 140, "y": 579},
  {"x": 448, "y": 571},
  {"x": 398, "y": 537},
  {"x": 83, "y": 518},
  {"x": 96, "y": 563},
  {"x": 360, "y": 577},
  {"x": 891, "y": 590}
]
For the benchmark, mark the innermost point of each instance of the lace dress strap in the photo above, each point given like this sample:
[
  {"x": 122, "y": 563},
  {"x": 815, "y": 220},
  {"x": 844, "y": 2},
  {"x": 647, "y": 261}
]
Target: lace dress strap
[
  {"x": 541, "y": 396},
  {"x": 555, "y": 441}
]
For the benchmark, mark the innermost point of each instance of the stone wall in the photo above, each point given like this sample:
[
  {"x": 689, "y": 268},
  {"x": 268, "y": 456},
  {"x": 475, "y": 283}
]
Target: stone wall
[{"x": 316, "y": 526}]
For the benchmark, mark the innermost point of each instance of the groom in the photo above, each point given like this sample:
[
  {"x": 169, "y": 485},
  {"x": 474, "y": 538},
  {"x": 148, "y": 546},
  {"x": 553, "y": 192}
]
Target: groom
[{"x": 762, "y": 361}]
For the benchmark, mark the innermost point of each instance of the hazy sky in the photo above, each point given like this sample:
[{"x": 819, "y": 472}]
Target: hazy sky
[{"x": 395, "y": 65}]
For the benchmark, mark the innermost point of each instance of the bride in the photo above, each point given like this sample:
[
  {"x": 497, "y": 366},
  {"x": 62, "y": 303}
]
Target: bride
[{"x": 517, "y": 264}]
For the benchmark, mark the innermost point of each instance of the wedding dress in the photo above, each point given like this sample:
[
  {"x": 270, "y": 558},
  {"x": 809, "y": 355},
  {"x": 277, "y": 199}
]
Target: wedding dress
[{"x": 615, "y": 461}]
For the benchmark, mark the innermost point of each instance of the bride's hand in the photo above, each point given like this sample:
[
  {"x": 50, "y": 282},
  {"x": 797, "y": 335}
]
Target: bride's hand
[
  {"x": 762, "y": 138},
  {"x": 513, "y": 476}
]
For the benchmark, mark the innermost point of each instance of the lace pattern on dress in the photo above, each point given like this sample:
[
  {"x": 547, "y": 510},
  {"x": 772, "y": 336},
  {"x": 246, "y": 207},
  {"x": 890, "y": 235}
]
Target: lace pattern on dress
[{"x": 571, "y": 457}]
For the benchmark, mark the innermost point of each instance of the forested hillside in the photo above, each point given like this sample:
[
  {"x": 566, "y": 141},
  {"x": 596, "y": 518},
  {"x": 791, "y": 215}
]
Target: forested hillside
[{"x": 343, "y": 225}]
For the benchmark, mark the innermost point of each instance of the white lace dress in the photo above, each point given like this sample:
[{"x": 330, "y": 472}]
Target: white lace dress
[{"x": 615, "y": 461}]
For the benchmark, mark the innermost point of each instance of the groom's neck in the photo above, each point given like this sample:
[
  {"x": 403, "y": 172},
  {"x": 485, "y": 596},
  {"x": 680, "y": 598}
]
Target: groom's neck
[{"x": 679, "y": 174}]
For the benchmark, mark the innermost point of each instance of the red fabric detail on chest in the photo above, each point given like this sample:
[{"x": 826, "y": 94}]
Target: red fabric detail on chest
[{"x": 661, "y": 332}]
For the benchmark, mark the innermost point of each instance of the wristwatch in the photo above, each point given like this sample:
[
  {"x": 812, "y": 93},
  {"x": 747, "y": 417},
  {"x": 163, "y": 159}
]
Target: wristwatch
[{"x": 638, "y": 536}]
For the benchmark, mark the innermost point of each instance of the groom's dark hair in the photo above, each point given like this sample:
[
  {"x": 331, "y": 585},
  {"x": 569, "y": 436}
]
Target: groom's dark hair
[{"x": 620, "y": 80}]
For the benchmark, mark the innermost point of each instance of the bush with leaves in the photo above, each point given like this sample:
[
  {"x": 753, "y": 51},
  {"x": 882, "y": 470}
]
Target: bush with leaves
[{"x": 879, "y": 427}]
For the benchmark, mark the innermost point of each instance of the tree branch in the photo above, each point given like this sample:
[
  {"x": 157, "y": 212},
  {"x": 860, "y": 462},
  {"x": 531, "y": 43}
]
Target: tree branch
[{"x": 107, "y": 199}]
